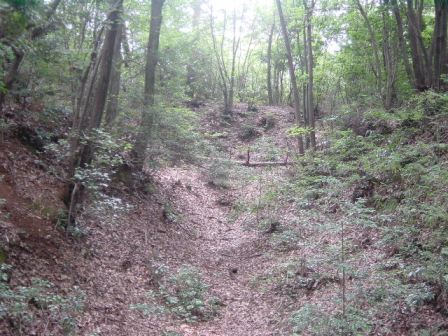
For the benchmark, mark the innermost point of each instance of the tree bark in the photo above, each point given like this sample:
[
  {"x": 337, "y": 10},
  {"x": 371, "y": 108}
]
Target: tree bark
[
  {"x": 291, "y": 73},
  {"x": 269, "y": 70},
  {"x": 149, "y": 91},
  {"x": 94, "y": 112},
  {"x": 440, "y": 42},
  {"x": 420, "y": 60},
  {"x": 388, "y": 57},
  {"x": 402, "y": 43},
  {"x": 91, "y": 104},
  {"x": 192, "y": 73},
  {"x": 310, "y": 71},
  {"x": 374, "y": 45},
  {"x": 115, "y": 81}
]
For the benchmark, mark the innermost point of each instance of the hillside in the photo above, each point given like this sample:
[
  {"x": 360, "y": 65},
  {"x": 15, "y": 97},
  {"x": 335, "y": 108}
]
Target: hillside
[
  {"x": 220, "y": 167},
  {"x": 224, "y": 249}
]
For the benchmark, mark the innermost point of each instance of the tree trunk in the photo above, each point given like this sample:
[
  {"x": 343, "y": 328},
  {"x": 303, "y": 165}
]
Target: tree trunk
[
  {"x": 310, "y": 70},
  {"x": 402, "y": 42},
  {"x": 91, "y": 104},
  {"x": 11, "y": 74},
  {"x": 374, "y": 45},
  {"x": 115, "y": 81},
  {"x": 192, "y": 75},
  {"x": 440, "y": 42},
  {"x": 420, "y": 60},
  {"x": 219, "y": 55},
  {"x": 389, "y": 62},
  {"x": 235, "y": 47},
  {"x": 291, "y": 72},
  {"x": 269, "y": 70},
  {"x": 94, "y": 112},
  {"x": 150, "y": 75}
]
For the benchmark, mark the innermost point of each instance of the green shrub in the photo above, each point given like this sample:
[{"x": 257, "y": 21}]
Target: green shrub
[
  {"x": 248, "y": 132},
  {"x": 175, "y": 138},
  {"x": 285, "y": 240},
  {"x": 312, "y": 320},
  {"x": 218, "y": 174},
  {"x": 19, "y": 305},
  {"x": 183, "y": 294}
]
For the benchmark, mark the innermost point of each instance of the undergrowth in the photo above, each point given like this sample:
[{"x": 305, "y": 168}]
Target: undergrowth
[
  {"x": 385, "y": 190},
  {"x": 183, "y": 294},
  {"x": 21, "y": 305}
]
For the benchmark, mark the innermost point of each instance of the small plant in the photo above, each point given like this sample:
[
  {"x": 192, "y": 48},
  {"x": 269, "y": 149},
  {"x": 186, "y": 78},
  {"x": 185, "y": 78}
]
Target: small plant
[
  {"x": 299, "y": 131},
  {"x": 219, "y": 174},
  {"x": 183, "y": 294},
  {"x": 170, "y": 333},
  {"x": 5, "y": 126},
  {"x": 19, "y": 305},
  {"x": 248, "y": 132},
  {"x": 169, "y": 213},
  {"x": 312, "y": 320},
  {"x": 268, "y": 121},
  {"x": 285, "y": 240}
]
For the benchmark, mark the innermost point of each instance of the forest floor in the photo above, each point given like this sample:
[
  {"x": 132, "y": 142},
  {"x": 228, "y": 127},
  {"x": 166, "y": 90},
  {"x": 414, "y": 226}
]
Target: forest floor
[{"x": 258, "y": 276}]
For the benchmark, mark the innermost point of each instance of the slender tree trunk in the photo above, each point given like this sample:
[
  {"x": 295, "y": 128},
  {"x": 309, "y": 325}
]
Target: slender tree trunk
[
  {"x": 420, "y": 59},
  {"x": 389, "y": 62},
  {"x": 235, "y": 47},
  {"x": 402, "y": 43},
  {"x": 374, "y": 45},
  {"x": 269, "y": 70},
  {"x": 192, "y": 76},
  {"x": 304, "y": 63},
  {"x": 11, "y": 74},
  {"x": 291, "y": 72},
  {"x": 94, "y": 113},
  {"x": 115, "y": 81},
  {"x": 91, "y": 106},
  {"x": 219, "y": 55},
  {"x": 440, "y": 42},
  {"x": 310, "y": 68},
  {"x": 150, "y": 77}
]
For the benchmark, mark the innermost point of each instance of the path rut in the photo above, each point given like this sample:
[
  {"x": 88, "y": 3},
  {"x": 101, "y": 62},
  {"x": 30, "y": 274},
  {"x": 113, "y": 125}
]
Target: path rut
[{"x": 228, "y": 256}]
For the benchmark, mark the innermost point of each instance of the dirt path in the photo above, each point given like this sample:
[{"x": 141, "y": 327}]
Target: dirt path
[{"x": 228, "y": 256}]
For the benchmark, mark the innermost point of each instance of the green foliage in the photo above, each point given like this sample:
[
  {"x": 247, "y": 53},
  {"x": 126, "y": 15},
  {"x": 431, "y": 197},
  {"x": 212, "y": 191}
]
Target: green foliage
[
  {"x": 248, "y": 132},
  {"x": 218, "y": 174},
  {"x": 22, "y": 4},
  {"x": 175, "y": 138},
  {"x": 170, "y": 333},
  {"x": 268, "y": 121},
  {"x": 97, "y": 176},
  {"x": 285, "y": 240},
  {"x": 298, "y": 131},
  {"x": 183, "y": 294},
  {"x": 312, "y": 320},
  {"x": 19, "y": 305}
]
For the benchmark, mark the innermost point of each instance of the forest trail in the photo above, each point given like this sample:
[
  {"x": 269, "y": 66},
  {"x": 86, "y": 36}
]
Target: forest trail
[
  {"x": 199, "y": 228},
  {"x": 228, "y": 256},
  {"x": 228, "y": 252}
]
